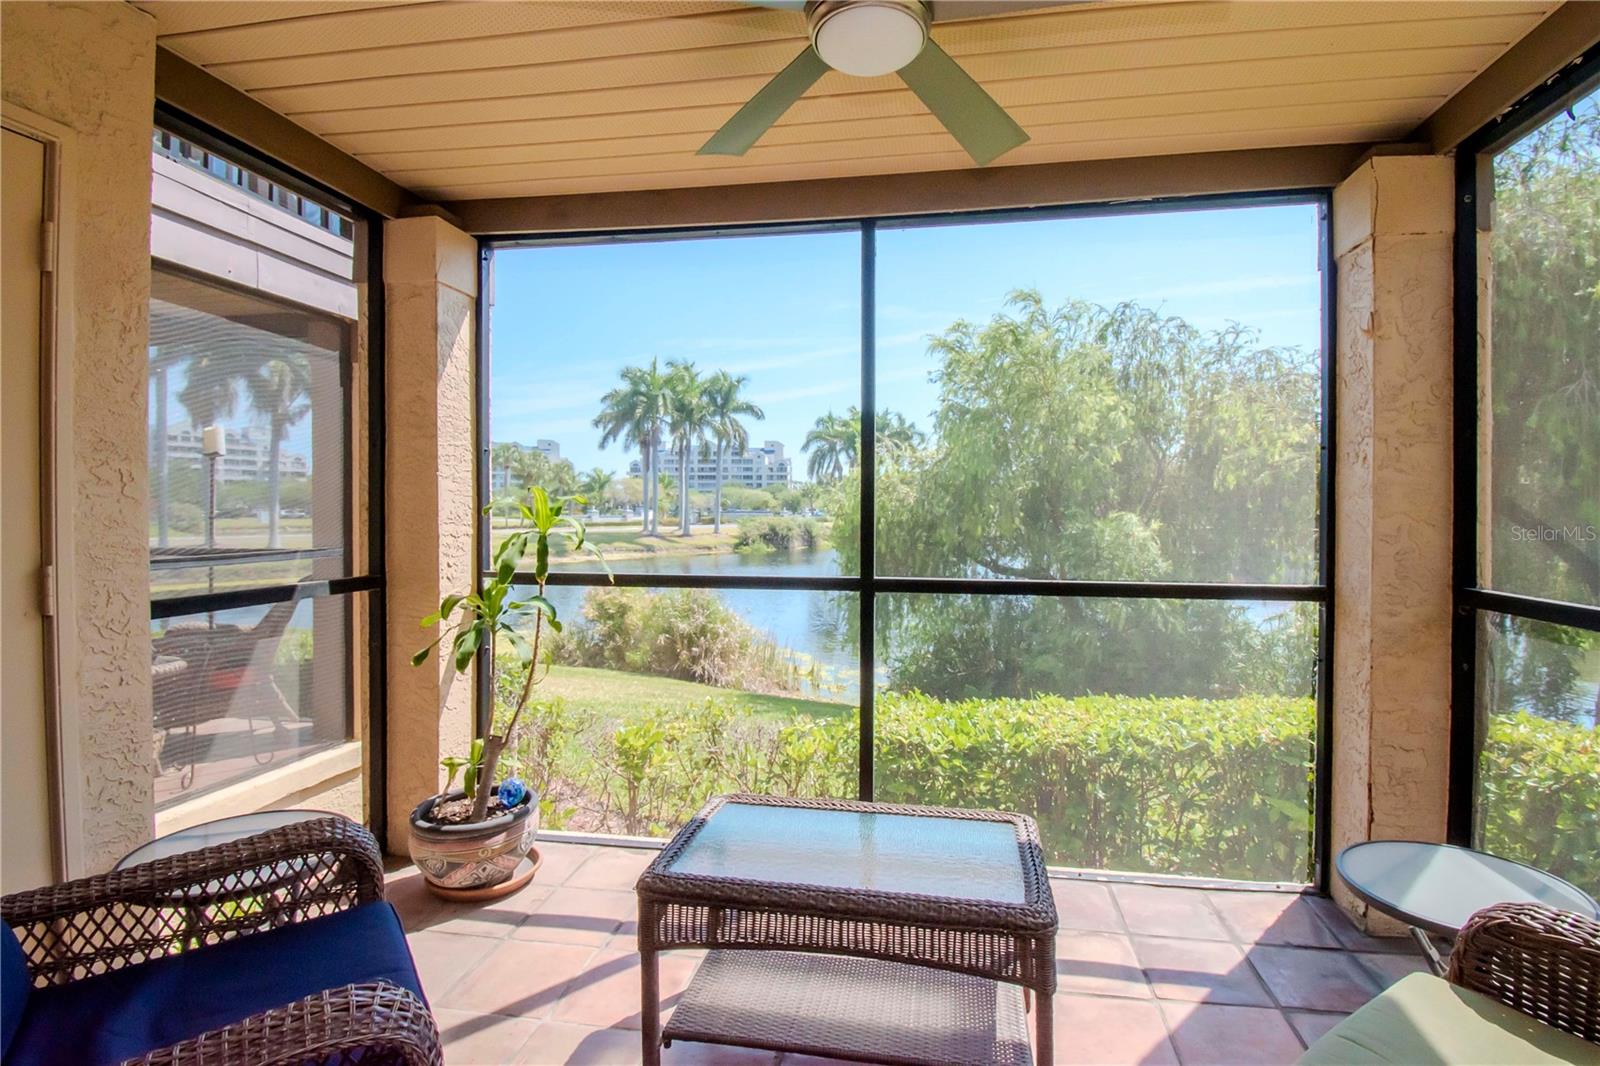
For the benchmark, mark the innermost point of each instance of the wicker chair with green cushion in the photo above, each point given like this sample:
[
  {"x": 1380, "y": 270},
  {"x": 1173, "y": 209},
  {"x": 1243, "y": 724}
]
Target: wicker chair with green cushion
[
  {"x": 274, "y": 949},
  {"x": 1523, "y": 987}
]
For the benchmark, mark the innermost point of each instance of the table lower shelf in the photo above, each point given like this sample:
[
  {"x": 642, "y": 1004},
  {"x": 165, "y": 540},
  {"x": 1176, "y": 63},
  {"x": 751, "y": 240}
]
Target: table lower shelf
[{"x": 862, "y": 1009}]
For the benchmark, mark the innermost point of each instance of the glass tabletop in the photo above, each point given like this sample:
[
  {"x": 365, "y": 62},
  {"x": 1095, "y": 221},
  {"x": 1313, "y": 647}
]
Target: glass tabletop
[
  {"x": 220, "y": 831},
  {"x": 1439, "y": 886},
  {"x": 955, "y": 858}
]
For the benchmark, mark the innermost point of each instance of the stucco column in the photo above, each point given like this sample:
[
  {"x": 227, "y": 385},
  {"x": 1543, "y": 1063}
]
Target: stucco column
[
  {"x": 431, "y": 281},
  {"x": 1392, "y": 226}
]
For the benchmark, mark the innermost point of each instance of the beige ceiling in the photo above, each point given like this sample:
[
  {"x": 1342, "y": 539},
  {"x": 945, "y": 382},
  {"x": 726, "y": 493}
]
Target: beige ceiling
[{"x": 472, "y": 100}]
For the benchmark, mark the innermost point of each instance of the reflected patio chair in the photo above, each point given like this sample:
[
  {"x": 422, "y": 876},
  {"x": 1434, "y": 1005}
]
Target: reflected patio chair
[{"x": 203, "y": 671}]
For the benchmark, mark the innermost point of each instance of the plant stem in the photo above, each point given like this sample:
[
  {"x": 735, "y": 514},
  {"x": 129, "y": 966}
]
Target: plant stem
[
  {"x": 495, "y": 743},
  {"x": 533, "y": 669}
]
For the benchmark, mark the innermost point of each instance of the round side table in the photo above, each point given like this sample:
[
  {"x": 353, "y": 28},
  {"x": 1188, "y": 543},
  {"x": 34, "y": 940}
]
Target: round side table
[
  {"x": 1435, "y": 888},
  {"x": 222, "y": 831}
]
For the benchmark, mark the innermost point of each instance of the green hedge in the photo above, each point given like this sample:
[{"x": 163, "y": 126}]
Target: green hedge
[
  {"x": 1213, "y": 787},
  {"x": 1539, "y": 795},
  {"x": 1208, "y": 787}
]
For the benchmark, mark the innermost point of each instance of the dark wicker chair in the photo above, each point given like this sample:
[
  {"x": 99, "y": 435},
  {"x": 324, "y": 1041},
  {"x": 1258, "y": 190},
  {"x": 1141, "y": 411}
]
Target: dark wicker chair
[
  {"x": 1542, "y": 962},
  {"x": 189, "y": 904}
]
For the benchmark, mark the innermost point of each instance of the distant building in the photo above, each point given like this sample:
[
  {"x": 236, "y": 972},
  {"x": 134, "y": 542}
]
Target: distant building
[
  {"x": 248, "y": 456},
  {"x": 753, "y": 468},
  {"x": 500, "y": 476}
]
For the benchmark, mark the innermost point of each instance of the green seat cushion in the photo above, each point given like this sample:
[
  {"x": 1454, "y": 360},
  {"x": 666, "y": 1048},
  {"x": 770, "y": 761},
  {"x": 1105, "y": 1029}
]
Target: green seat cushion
[{"x": 1422, "y": 1019}]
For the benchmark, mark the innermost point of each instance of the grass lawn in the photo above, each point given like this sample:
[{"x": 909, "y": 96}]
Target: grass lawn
[{"x": 613, "y": 692}]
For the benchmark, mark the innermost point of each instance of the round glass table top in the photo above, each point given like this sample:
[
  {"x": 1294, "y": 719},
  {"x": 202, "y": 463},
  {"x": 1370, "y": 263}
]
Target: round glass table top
[
  {"x": 220, "y": 831},
  {"x": 1437, "y": 887}
]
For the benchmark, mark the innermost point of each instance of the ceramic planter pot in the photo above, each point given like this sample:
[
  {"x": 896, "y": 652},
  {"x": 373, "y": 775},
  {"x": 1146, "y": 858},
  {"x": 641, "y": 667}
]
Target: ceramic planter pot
[{"x": 481, "y": 860}]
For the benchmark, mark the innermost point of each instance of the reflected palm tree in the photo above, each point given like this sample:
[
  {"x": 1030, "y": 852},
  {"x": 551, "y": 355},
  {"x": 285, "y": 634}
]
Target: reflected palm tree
[{"x": 280, "y": 390}]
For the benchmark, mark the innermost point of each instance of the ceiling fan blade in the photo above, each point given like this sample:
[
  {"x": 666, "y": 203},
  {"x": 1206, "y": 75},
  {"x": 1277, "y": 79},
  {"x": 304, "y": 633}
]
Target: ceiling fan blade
[
  {"x": 948, "y": 10},
  {"x": 973, "y": 118},
  {"x": 767, "y": 106}
]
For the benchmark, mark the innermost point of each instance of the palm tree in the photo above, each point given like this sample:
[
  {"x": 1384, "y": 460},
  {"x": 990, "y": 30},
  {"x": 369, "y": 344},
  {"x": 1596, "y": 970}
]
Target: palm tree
[
  {"x": 280, "y": 390},
  {"x": 833, "y": 444},
  {"x": 724, "y": 408},
  {"x": 894, "y": 434},
  {"x": 507, "y": 456},
  {"x": 633, "y": 413},
  {"x": 594, "y": 486},
  {"x": 210, "y": 387},
  {"x": 687, "y": 418}
]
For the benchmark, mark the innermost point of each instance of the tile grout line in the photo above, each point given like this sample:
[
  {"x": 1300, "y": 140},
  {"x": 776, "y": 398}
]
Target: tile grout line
[
  {"x": 1245, "y": 949},
  {"x": 1127, "y": 931}
]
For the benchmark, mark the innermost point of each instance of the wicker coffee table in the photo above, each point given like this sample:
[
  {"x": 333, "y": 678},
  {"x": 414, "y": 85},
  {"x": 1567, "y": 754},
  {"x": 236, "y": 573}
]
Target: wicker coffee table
[{"x": 860, "y": 931}]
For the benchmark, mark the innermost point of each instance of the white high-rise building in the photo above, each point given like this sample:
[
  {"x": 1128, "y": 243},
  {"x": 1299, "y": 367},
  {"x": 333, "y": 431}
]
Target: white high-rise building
[
  {"x": 248, "y": 455},
  {"x": 500, "y": 476},
  {"x": 753, "y": 468}
]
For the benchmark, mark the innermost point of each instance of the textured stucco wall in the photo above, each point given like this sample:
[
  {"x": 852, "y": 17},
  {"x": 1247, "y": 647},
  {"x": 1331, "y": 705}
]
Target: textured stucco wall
[
  {"x": 430, "y": 277},
  {"x": 1391, "y": 703},
  {"x": 91, "y": 67}
]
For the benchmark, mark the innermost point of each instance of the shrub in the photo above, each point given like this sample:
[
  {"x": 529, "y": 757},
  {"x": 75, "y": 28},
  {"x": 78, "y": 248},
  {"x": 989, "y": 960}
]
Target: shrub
[
  {"x": 1217, "y": 787},
  {"x": 1539, "y": 795},
  {"x": 686, "y": 634},
  {"x": 739, "y": 498},
  {"x": 1214, "y": 787},
  {"x": 186, "y": 517},
  {"x": 781, "y": 534}
]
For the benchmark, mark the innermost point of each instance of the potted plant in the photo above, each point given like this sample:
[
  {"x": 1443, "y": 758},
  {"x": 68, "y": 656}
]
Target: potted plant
[{"x": 473, "y": 842}]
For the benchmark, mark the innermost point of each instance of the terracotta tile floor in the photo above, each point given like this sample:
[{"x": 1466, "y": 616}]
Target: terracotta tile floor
[{"x": 1148, "y": 974}]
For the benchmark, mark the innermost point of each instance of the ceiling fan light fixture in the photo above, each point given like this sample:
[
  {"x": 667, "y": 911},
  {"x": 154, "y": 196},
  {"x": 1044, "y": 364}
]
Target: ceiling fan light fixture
[{"x": 868, "y": 38}]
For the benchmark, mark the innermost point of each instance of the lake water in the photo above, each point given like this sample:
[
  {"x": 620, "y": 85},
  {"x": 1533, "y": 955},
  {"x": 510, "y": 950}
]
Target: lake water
[
  {"x": 804, "y": 623},
  {"x": 807, "y": 624}
]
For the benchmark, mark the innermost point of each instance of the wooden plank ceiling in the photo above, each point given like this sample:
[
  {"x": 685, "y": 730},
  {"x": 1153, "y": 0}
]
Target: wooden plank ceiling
[{"x": 480, "y": 100}]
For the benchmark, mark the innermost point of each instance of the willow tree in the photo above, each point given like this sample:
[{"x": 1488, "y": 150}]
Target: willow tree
[{"x": 1089, "y": 443}]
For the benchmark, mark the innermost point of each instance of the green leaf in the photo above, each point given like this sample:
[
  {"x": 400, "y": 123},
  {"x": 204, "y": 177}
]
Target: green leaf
[
  {"x": 467, "y": 643},
  {"x": 542, "y": 517},
  {"x": 541, "y": 562},
  {"x": 600, "y": 557},
  {"x": 520, "y": 645},
  {"x": 452, "y": 765},
  {"x": 509, "y": 554},
  {"x": 421, "y": 657}
]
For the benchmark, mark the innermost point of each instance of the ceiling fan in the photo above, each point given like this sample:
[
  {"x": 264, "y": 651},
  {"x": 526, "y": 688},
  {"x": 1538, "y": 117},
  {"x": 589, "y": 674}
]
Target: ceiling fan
[{"x": 868, "y": 38}]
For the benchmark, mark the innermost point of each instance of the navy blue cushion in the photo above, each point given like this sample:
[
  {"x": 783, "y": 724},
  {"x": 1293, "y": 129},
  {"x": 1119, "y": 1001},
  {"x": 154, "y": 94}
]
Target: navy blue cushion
[
  {"x": 113, "y": 1016},
  {"x": 14, "y": 984}
]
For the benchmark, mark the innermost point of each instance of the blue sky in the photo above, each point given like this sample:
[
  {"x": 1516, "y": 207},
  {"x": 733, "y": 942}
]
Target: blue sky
[{"x": 784, "y": 309}]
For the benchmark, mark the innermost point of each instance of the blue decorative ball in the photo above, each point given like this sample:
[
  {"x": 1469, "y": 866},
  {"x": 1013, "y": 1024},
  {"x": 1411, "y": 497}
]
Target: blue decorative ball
[{"x": 513, "y": 792}]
